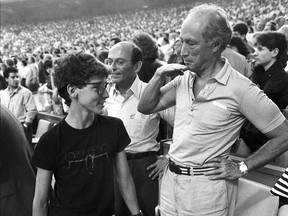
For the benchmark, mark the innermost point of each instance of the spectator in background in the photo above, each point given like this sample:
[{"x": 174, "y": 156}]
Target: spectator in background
[
  {"x": 237, "y": 61},
  {"x": 250, "y": 26},
  {"x": 176, "y": 57},
  {"x": 32, "y": 76},
  {"x": 270, "y": 61},
  {"x": 237, "y": 44},
  {"x": 3, "y": 84},
  {"x": 280, "y": 21},
  {"x": 9, "y": 62},
  {"x": 284, "y": 30},
  {"x": 113, "y": 41},
  {"x": 150, "y": 64},
  {"x": 19, "y": 100},
  {"x": 240, "y": 29},
  {"x": 270, "y": 26},
  {"x": 23, "y": 71},
  {"x": 149, "y": 50},
  {"x": 17, "y": 178},
  {"x": 166, "y": 48},
  {"x": 91, "y": 49},
  {"x": 102, "y": 55},
  {"x": 260, "y": 24},
  {"x": 48, "y": 66},
  {"x": 41, "y": 69},
  {"x": 212, "y": 102}
]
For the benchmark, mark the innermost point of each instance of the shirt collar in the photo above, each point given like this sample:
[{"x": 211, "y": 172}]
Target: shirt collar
[
  {"x": 134, "y": 89},
  {"x": 13, "y": 91},
  {"x": 223, "y": 75}
]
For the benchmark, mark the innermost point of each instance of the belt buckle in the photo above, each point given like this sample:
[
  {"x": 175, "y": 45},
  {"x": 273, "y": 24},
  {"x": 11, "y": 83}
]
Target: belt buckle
[
  {"x": 186, "y": 170},
  {"x": 179, "y": 169}
]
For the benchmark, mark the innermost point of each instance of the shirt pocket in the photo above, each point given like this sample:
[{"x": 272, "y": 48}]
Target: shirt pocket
[
  {"x": 137, "y": 125},
  {"x": 213, "y": 116}
]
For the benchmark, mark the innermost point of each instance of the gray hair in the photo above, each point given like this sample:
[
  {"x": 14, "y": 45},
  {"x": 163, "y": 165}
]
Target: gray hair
[{"x": 217, "y": 28}]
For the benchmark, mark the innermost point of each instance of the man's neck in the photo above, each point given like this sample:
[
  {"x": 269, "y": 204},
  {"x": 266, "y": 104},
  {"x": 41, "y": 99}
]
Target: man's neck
[
  {"x": 12, "y": 89},
  {"x": 78, "y": 119},
  {"x": 124, "y": 87},
  {"x": 211, "y": 70}
]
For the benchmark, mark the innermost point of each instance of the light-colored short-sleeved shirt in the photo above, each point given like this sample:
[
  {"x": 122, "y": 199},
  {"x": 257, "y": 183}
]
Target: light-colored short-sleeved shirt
[
  {"x": 207, "y": 126},
  {"x": 142, "y": 129}
]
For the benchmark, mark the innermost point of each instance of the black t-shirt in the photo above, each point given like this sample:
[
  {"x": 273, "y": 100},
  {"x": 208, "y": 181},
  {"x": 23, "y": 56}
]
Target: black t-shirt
[{"x": 82, "y": 164}]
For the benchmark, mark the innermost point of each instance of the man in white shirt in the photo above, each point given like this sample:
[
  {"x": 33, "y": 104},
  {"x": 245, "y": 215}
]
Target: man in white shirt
[
  {"x": 19, "y": 100},
  {"x": 125, "y": 58}
]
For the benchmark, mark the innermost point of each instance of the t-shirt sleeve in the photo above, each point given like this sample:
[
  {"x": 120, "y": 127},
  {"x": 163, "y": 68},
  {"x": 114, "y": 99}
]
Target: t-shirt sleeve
[
  {"x": 45, "y": 153},
  {"x": 262, "y": 112},
  {"x": 124, "y": 138}
]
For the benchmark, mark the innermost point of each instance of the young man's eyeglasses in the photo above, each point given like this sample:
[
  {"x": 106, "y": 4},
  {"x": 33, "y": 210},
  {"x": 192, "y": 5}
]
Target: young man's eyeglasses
[{"x": 99, "y": 86}]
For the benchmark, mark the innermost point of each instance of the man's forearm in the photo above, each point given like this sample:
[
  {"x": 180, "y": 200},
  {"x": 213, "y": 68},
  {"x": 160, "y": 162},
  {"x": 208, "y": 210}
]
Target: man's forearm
[
  {"x": 128, "y": 192},
  {"x": 39, "y": 209},
  {"x": 273, "y": 148},
  {"x": 151, "y": 95}
]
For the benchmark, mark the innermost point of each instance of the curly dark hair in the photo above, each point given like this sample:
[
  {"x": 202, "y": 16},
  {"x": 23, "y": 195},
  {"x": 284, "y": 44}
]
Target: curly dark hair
[
  {"x": 76, "y": 69},
  {"x": 9, "y": 70},
  {"x": 147, "y": 44}
]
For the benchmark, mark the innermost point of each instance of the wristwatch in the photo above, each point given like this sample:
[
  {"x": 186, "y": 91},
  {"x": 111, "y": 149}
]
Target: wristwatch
[{"x": 243, "y": 167}]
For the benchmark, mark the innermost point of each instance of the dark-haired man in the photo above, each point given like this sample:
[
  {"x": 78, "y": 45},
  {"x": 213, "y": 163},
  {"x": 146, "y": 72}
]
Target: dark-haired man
[
  {"x": 241, "y": 29},
  {"x": 19, "y": 100},
  {"x": 83, "y": 148}
]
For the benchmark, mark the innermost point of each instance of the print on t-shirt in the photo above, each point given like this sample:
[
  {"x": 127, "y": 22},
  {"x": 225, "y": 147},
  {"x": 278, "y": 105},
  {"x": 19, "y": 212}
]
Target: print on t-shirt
[{"x": 87, "y": 159}]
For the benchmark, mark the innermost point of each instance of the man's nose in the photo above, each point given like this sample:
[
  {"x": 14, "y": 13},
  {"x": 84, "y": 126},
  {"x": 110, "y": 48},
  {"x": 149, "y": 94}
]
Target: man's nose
[
  {"x": 184, "y": 50},
  {"x": 105, "y": 94}
]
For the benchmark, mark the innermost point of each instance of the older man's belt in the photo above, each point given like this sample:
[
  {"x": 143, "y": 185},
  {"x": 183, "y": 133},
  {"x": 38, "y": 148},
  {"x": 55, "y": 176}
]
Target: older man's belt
[{"x": 191, "y": 171}]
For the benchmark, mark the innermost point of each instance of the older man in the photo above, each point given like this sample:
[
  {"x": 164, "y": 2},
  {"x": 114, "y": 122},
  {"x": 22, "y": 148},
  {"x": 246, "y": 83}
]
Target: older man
[
  {"x": 125, "y": 59},
  {"x": 212, "y": 101}
]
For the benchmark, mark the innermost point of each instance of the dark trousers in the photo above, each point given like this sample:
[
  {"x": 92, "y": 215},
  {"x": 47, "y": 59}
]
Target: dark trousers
[
  {"x": 146, "y": 189},
  {"x": 28, "y": 133}
]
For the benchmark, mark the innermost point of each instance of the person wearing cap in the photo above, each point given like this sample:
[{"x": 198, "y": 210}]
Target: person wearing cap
[
  {"x": 212, "y": 102},
  {"x": 83, "y": 149},
  {"x": 125, "y": 59}
]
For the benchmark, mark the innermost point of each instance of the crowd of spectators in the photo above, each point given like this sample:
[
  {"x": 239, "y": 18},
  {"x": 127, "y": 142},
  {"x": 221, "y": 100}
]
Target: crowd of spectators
[
  {"x": 34, "y": 48},
  {"x": 50, "y": 36}
]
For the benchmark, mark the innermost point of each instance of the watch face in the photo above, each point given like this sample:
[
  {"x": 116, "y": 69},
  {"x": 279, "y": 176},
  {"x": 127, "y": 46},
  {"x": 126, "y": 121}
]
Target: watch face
[{"x": 243, "y": 168}]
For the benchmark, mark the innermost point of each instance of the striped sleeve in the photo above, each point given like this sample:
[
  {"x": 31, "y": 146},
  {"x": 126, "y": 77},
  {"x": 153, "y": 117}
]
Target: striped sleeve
[{"x": 281, "y": 186}]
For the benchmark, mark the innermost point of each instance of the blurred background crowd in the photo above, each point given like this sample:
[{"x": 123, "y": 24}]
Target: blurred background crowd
[{"x": 35, "y": 33}]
